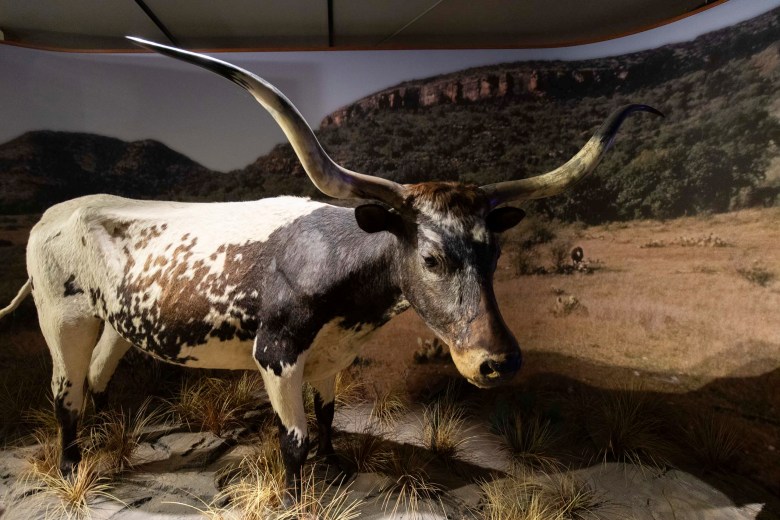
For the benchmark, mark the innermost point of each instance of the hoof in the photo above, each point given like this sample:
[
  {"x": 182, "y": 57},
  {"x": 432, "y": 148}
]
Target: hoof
[
  {"x": 330, "y": 469},
  {"x": 288, "y": 500},
  {"x": 68, "y": 468}
]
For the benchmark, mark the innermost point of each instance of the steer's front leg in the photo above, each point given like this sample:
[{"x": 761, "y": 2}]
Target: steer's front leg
[
  {"x": 285, "y": 391},
  {"x": 324, "y": 397}
]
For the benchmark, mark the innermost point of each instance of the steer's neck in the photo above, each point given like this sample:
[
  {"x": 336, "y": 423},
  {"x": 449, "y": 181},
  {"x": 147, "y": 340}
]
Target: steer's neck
[
  {"x": 349, "y": 275},
  {"x": 373, "y": 276}
]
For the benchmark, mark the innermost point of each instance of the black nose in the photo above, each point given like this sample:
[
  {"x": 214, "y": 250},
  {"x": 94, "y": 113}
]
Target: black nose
[{"x": 494, "y": 369}]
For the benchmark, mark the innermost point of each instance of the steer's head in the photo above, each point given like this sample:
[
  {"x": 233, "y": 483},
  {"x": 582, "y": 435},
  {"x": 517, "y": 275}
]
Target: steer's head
[
  {"x": 448, "y": 252},
  {"x": 447, "y": 231}
]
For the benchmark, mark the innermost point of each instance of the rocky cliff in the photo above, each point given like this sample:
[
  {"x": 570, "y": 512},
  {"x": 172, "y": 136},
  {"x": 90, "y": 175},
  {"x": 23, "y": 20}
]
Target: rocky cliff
[
  {"x": 563, "y": 79},
  {"x": 474, "y": 86}
]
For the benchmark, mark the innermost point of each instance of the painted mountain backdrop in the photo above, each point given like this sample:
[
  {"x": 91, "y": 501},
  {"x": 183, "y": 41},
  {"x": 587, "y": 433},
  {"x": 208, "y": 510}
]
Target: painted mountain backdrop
[{"x": 716, "y": 150}]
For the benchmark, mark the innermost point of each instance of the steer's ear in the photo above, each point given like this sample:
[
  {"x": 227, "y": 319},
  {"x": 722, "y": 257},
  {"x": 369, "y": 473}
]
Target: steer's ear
[
  {"x": 372, "y": 218},
  {"x": 504, "y": 218}
]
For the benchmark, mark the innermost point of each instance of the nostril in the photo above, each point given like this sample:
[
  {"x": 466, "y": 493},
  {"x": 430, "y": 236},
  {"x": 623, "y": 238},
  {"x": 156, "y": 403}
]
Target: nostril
[{"x": 488, "y": 367}]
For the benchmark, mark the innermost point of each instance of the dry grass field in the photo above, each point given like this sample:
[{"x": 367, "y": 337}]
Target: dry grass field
[
  {"x": 681, "y": 297},
  {"x": 680, "y": 315}
]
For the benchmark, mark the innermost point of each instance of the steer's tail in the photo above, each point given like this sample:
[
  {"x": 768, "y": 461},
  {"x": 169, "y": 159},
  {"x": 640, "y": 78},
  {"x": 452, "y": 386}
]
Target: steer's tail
[{"x": 21, "y": 295}]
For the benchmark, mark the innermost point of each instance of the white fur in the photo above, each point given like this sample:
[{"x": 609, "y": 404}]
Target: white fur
[
  {"x": 285, "y": 392},
  {"x": 334, "y": 348},
  {"x": 110, "y": 349},
  {"x": 79, "y": 237}
]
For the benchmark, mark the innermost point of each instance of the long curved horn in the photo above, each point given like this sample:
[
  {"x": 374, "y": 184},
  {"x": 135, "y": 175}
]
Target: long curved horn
[
  {"x": 330, "y": 178},
  {"x": 563, "y": 177}
]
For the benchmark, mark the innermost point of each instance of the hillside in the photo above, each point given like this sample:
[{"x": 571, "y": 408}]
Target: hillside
[
  {"x": 721, "y": 94},
  {"x": 561, "y": 80},
  {"x": 716, "y": 150},
  {"x": 41, "y": 168}
]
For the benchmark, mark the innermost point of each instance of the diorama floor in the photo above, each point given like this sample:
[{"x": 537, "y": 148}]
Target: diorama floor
[
  {"x": 670, "y": 328},
  {"x": 176, "y": 475}
]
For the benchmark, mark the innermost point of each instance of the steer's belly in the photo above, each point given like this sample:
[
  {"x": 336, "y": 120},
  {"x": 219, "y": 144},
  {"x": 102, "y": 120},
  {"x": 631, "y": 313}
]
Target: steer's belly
[
  {"x": 334, "y": 348},
  {"x": 232, "y": 354}
]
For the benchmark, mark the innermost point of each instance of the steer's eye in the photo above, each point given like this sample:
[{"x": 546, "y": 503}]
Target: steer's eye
[{"x": 430, "y": 262}]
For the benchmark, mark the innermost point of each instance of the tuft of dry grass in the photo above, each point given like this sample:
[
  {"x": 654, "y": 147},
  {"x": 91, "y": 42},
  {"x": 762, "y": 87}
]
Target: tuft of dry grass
[
  {"x": 108, "y": 448},
  {"x": 714, "y": 443},
  {"x": 46, "y": 459},
  {"x": 42, "y": 419},
  {"x": 216, "y": 404},
  {"x": 322, "y": 502},
  {"x": 45, "y": 434},
  {"x": 572, "y": 498},
  {"x": 256, "y": 493},
  {"x": 389, "y": 406},
  {"x": 529, "y": 440},
  {"x": 115, "y": 436},
  {"x": 514, "y": 499},
  {"x": 111, "y": 437},
  {"x": 349, "y": 390},
  {"x": 526, "y": 495},
  {"x": 623, "y": 426},
  {"x": 75, "y": 494},
  {"x": 256, "y": 485},
  {"x": 246, "y": 390},
  {"x": 411, "y": 490},
  {"x": 443, "y": 424},
  {"x": 364, "y": 452}
]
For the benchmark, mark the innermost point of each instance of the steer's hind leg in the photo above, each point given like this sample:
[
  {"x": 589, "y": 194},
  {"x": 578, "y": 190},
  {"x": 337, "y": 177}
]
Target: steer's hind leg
[
  {"x": 285, "y": 391},
  {"x": 105, "y": 358},
  {"x": 70, "y": 342}
]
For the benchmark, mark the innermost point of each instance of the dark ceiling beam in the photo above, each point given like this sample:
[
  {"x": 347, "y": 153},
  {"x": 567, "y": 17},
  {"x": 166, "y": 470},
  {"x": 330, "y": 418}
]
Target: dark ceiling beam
[
  {"x": 153, "y": 17},
  {"x": 330, "y": 23}
]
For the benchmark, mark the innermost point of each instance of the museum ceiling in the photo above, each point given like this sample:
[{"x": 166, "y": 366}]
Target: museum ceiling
[{"x": 100, "y": 25}]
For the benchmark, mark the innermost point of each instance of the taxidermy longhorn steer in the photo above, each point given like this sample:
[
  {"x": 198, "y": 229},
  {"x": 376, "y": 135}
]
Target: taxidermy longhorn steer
[{"x": 286, "y": 285}]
